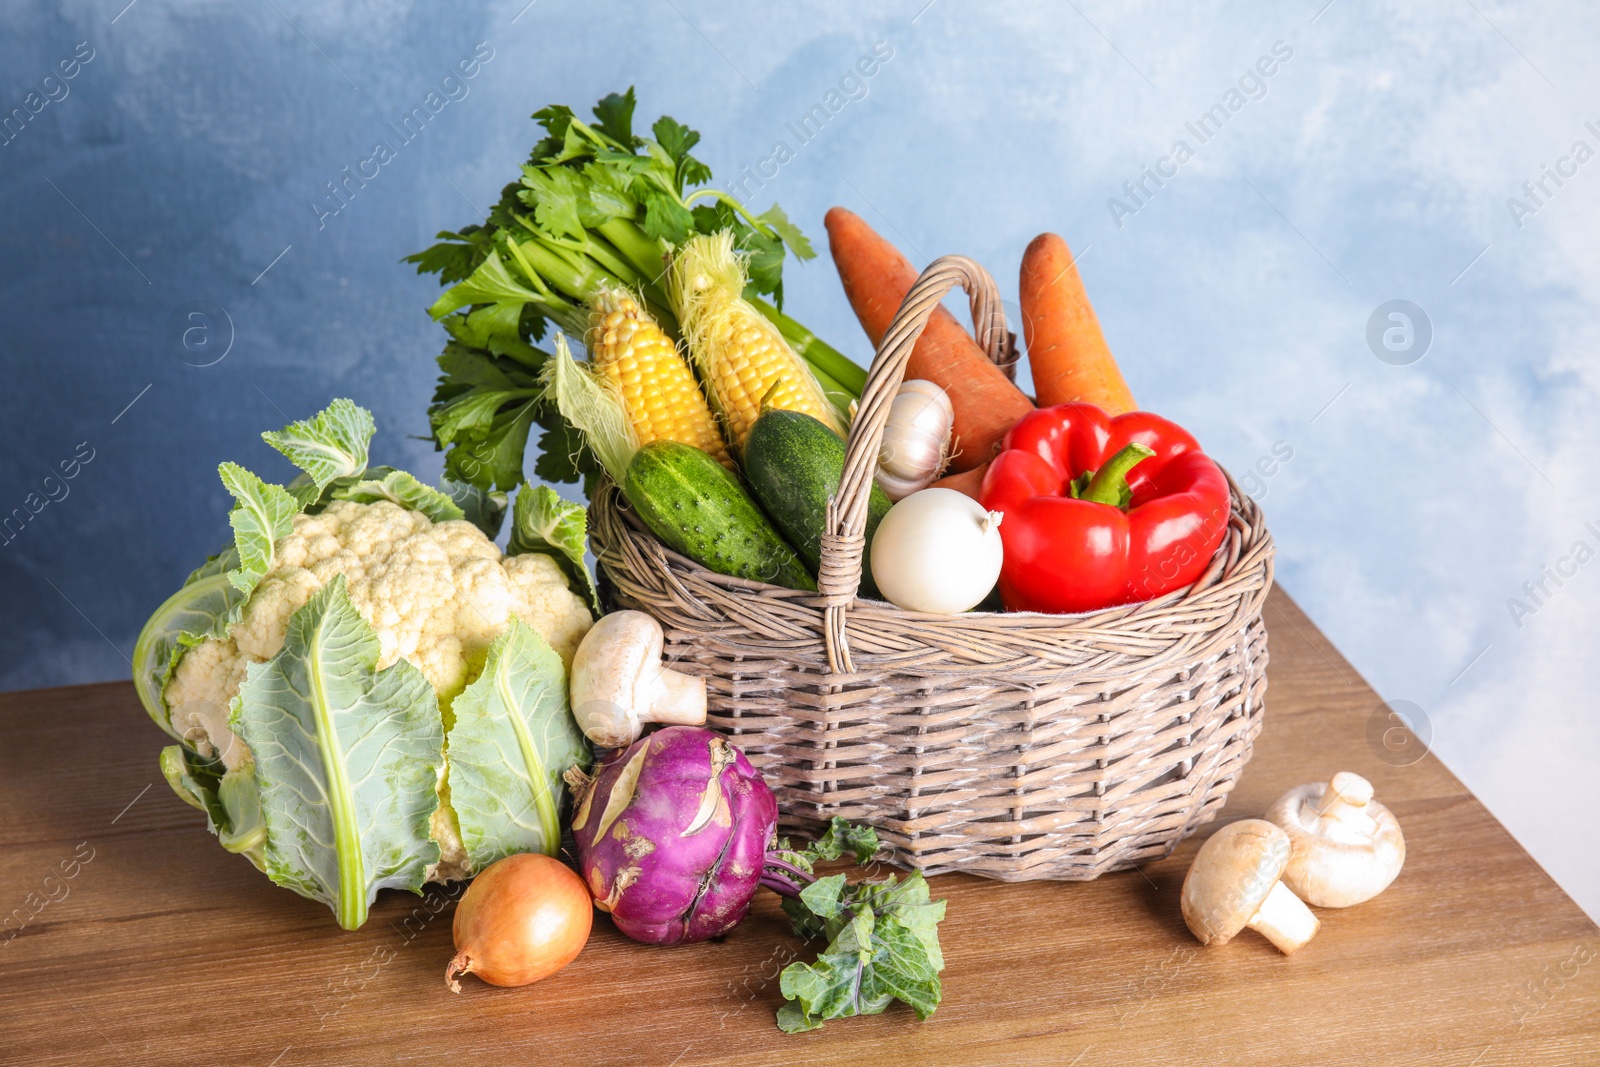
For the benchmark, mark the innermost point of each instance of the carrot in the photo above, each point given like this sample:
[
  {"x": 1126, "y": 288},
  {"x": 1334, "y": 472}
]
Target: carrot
[
  {"x": 1066, "y": 349},
  {"x": 968, "y": 482},
  {"x": 877, "y": 278}
]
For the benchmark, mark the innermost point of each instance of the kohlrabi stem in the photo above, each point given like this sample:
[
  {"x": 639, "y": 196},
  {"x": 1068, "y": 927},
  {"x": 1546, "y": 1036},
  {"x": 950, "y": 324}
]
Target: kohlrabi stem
[
  {"x": 1108, "y": 483},
  {"x": 784, "y": 878}
]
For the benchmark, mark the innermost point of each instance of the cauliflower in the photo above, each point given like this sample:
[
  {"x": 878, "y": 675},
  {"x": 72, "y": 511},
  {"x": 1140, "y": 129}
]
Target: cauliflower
[
  {"x": 275, "y": 666},
  {"x": 436, "y": 593}
]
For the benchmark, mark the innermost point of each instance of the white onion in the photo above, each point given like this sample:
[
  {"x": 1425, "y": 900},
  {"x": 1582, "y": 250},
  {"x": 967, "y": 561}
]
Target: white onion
[
  {"x": 916, "y": 439},
  {"x": 937, "y": 551}
]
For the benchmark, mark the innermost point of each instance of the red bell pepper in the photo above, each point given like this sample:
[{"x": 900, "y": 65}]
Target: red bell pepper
[{"x": 1102, "y": 511}]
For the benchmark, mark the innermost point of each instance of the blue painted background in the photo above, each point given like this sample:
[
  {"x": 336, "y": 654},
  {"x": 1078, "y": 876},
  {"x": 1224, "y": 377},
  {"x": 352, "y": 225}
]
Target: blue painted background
[{"x": 1384, "y": 158}]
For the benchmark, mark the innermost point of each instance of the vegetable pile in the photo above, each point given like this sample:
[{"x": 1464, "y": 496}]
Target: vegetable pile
[{"x": 366, "y": 692}]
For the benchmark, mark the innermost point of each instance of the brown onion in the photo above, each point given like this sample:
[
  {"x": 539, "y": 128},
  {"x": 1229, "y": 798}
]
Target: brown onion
[{"x": 523, "y": 919}]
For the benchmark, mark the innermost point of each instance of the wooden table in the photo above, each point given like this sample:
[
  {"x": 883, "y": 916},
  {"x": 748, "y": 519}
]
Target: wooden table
[{"x": 148, "y": 944}]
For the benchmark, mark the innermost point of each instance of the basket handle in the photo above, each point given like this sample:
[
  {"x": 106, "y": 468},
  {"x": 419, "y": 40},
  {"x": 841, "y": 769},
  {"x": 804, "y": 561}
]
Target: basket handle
[{"x": 844, "y": 539}]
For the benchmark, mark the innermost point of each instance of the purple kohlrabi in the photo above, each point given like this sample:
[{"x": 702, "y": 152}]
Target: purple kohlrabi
[{"x": 672, "y": 835}]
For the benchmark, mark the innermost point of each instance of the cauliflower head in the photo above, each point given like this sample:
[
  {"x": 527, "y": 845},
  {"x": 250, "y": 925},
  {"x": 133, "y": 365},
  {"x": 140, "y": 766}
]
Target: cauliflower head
[{"x": 436, "y": 593}]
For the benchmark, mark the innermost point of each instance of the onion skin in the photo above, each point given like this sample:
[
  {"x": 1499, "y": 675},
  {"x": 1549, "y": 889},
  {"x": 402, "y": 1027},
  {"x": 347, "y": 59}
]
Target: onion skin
[
  {"x": 673, "y": 834},
  {"x": 524, "y": 918}
]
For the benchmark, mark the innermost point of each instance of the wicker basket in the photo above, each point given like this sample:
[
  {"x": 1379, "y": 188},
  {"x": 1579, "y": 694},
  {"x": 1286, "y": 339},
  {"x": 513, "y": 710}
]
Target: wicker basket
[{"x": 1013, "y": 746}]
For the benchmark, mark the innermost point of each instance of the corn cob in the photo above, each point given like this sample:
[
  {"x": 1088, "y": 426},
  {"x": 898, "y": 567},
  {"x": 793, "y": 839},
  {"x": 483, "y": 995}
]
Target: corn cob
[
  {"x": 658, "y": 391},
  {"x": 742, "y": 358}
]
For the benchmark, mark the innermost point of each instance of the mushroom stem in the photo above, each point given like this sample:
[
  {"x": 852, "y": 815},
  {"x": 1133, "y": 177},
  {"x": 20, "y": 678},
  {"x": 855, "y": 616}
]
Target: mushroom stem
[
  {"x": 1284, "y": 919},
  {"x": 680, "y": 699},
  {"x": 1343, "y": 804}
]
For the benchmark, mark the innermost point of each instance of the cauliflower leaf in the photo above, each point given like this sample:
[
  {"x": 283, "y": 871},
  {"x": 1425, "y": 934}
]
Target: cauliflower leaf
[
  {"x": 200, "y": 609},
  {"x": 331, "y": 444},
  {"x": 512, "y": 739},
  {"x": 347, "y": 759},
  {"x": 403, "y": 489},
  {"x": 542, "y": 522},
  {"x": 261, "y": 514}
]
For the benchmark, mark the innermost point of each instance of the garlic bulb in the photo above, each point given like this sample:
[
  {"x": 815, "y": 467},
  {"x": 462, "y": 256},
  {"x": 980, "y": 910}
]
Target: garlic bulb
[{"x": 916, "y": 439}]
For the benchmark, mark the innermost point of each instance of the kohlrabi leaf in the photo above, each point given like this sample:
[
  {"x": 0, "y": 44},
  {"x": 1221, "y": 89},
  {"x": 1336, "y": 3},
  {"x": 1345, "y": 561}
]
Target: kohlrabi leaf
[
  {"x": 200, "y": 609},
  {"x": 484, "y": 509},
  {"x": 331, "y": 444},
  {"x": 512, "y": 739},
  {"x": 401, "y": 488},
  {"x": 542, "y": 522},
  {"x": 883, "y": 946},
  {"x": 261, "y": 514},
  {"x": 883, "y": 937},
  {"x": 347, "y": 758},
  {"x": 845, "y": 836}
]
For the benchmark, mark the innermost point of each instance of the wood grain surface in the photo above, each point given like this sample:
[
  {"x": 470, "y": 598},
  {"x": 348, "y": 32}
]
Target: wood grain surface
[{"x": 142, "y": 942}]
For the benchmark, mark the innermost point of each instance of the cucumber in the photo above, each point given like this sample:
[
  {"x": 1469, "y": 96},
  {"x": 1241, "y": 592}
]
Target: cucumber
[
  {"x": 794, "y": 464},
  {"x": 697, "y": 508}
]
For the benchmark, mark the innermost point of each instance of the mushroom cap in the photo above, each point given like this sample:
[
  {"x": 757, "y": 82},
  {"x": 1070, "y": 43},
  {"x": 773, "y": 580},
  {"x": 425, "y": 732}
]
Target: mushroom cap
[
  {"x": 1231, "y": 875},
  {"x": 1335, "y": 862},
  {"x": 614, "y": 675}
]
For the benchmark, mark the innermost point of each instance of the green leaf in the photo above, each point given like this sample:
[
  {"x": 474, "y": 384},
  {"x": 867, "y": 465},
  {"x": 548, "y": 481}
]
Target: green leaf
[
  {"x": 615, "y": 115},
  {"x": 883, "y": 938},
  {"x": 555, "y": 119},
  {"x": 825, "y": 896},
  {"x": 665, "y": 216},
  {"x": 555, "y": 194},
  {"x": 542, "y": 522},
  {"x": 883, "y": 946},
  {"x": 763, "y": 263},
  {"x": 674, "y": 136},
  {"x": 261, "y": 515},
  {"x": 607, "y": 196},
  {"x": 184, "y": 782},
  {"x": 798, "y": 243},
  {"x": 495, "y": 328},
  {"x": 198, "y": 610},
  {"x": 455, "y": 256},
  {"x": 331, "y": 444},
  {"x": 403, "y": 489},
  {"x": 491, "y": 283},
  {"x": 493, "y": 459},
  {"x": 676, "y": 139},
  {"x": 347, "y": 758},
  {"x": 843, "y": 836},
  {"x": 485, "y": 510},
  {"x": 512, "y": 739},
  {"x": 482, "y": 410},
  {"x": 563, "y": 456}
]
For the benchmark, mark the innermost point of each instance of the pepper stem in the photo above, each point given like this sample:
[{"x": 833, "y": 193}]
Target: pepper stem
[{"x": 1110, "y": 483}]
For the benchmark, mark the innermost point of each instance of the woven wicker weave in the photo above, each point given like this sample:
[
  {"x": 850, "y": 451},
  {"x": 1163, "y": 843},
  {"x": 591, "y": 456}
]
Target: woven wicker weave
[{"x": 1012, "y": 746}]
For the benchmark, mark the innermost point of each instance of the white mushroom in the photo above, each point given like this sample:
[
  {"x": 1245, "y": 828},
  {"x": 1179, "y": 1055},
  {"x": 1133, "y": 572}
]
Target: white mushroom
[
  {"x": 1234, "y": 882},
  {"x": 1346, "y": 847},
  {"x": 618, "y": 683}
]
